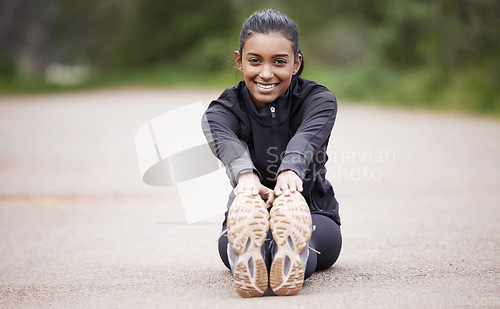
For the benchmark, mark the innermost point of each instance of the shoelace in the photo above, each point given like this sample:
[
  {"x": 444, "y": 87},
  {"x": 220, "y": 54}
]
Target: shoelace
[
  {"x": 311, "y": 248},
  {"x": 271, "y": 242},
  {"x": 222, "y": 233}
]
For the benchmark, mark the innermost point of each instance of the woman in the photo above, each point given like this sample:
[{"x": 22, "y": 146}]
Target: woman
[{"x": 271, "y": 132}]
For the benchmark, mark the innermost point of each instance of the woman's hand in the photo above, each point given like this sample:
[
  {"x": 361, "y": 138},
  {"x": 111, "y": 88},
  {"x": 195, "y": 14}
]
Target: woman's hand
[
  {"x": 288, "y": 181},
  {"x": 249, "y": 184}
]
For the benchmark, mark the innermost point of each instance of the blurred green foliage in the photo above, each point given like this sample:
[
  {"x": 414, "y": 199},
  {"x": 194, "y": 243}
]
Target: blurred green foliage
[{"x": 435, "y": 53}]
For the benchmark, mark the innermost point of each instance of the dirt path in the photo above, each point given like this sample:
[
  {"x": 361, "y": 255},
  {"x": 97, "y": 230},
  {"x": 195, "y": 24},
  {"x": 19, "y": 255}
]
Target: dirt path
[{"x": 419, "y": 194}]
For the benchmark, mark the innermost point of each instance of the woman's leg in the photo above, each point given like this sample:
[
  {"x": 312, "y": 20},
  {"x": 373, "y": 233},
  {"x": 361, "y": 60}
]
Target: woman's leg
[
  {"x": 222, "y": 243},
  {"x": 326, "y": 239}
]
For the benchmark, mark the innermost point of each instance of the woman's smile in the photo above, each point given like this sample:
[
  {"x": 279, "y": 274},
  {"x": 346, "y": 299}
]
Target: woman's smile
[{"x": 266, "y": 87}]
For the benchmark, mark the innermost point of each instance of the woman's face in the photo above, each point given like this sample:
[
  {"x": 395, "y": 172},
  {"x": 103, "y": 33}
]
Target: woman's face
[{"x": 268, "y": 63}]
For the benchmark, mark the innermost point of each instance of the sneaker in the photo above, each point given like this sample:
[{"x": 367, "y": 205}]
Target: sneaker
[
  {"x": 291, "y": 225},
  {"x": 248, "y": 223}
]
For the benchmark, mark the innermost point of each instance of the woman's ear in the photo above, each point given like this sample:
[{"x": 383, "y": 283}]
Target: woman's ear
[
  {"x": 238, "y": 60},
  {"x": 297, "y": 63}
]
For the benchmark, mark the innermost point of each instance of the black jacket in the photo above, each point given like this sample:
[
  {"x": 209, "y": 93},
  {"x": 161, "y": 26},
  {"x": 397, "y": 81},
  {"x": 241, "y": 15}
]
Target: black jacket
[{"x": 291, "y": 133}]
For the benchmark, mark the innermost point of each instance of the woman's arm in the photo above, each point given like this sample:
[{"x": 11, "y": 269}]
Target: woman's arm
[
  {"x": 319, "y": 113},
  {"x": 221, "y": 129}
]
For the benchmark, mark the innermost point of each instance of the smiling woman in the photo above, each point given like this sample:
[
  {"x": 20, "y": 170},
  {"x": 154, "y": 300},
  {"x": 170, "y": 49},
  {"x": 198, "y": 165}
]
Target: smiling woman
[{"x": 271, "y": 131}]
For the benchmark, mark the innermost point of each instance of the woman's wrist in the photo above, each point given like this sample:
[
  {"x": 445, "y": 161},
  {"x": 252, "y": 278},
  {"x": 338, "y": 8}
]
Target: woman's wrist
[
  {"x": 251, "y": 175},
  {"x": 245, "y": 172}
]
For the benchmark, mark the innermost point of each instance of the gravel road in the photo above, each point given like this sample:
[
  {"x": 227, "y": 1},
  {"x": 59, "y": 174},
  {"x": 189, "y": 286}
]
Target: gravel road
[{"x": 419, "y": 194}]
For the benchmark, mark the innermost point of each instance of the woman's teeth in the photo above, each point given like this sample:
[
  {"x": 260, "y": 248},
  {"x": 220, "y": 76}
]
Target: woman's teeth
[{"x": 270, "y": 86}]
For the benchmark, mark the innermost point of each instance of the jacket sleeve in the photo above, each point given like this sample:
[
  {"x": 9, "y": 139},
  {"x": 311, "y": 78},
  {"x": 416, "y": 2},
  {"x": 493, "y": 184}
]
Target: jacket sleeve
[
  {"x": 319, "y": 113},
  {"x": 221, "y": 128}
]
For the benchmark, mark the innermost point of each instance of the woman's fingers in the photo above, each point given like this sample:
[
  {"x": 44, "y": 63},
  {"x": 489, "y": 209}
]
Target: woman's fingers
[
  {"x": 248, "y": 184},
  {"x": 282, "y": 189},
  {"x": 277, "y": 191},
  {"x": 268, "y": 195},
  {"x": 247, "y": 190},
  {"x": 288, "y": 182},
  {"x": 251, "y": 191},
  {"x": 299, "y": 186},
  {"x": 269, "y": 202}
]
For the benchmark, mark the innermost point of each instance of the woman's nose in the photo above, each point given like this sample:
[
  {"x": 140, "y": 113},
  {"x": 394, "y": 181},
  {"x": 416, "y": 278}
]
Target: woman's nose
[{"x": 266, "y": 72}]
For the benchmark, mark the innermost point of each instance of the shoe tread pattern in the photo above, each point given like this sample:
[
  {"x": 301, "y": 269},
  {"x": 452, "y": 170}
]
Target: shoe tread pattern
[
  {"x": 248, "y": 220},
  {"x": 290, "y": 218}
]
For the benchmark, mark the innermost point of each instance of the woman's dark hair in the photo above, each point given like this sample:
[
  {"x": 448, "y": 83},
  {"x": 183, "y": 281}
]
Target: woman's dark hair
[{"x": 268, "y": 21}]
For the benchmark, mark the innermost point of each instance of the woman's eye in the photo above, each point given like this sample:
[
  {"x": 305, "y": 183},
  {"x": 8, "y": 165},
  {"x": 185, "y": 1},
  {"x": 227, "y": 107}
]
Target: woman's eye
[
  {"x": 280, "y": 61},
  {"x": 253, "y": 60}
]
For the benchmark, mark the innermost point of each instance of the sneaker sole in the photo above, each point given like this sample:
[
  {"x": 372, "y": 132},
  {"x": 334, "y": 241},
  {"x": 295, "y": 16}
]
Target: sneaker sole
[
  {"x": 291, "y": 225},
  {"x": 248, "y": 223}
]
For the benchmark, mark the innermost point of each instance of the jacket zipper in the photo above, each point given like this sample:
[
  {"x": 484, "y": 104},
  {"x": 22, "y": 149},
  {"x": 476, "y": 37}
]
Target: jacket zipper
[{"x": 275, "y": 129}]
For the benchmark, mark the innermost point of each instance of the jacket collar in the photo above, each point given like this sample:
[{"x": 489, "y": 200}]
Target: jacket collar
[{"x": 263, "y": 115}]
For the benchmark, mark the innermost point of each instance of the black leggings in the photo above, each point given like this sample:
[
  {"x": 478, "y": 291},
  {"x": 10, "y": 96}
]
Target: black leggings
[{"x": 324, "y": 247}]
